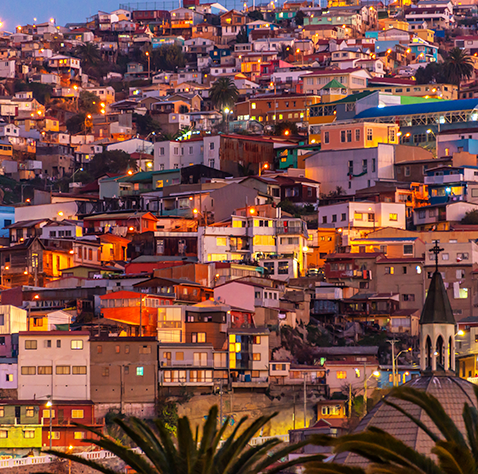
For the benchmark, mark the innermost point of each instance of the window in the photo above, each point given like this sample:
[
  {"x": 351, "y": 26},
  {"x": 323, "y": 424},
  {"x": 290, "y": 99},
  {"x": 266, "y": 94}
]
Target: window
[
  {"x": 460, "y": 274},
  {"x": 221, "y": 241},
  {"x": 145, "y": 350},
  {"x": 8, "y": 378},
  {"x": 3, "y": 433},
  {"x": 46, "y": 413},
  {"x": 389, "y": 270},
  {"x": 349, "y": 136},
  {"x": 462, "y": 256},
  {"x": 62, "y": 370},
  {"x": 99, "y": 349},
  {"x": 256, "y": 356},
  {"x": 26, "y": 370},
  {"x": 199, "y": 337},
  {"x": 358, "y": 216},
  {"x": 393, "y": 216},
  {"x": 445, "y": 256},
  {"x": 77, "y": 345},
  {"x": 79, "y": 370},
  {"x": 408, "y": 297},
  {"x": 30, "y": 345},
  {"x": 139, "y": 371},
  {"x": 283, "y": 268},
  {"x": 326, "y": 137},
  {"x": 257, "y": 339},
  {"x": 408, "y": 249},
  {"x": 30, "y": 411},
  {"x": 54, "y": 435},
  {"x": 342, "y": 136},
  {"x": 106, "y": 372},
  {"x": 357, "y": 134},
  {"x": 79, "y": 435},
  {"x": 45, "y": 370},
  {"x": 364, "y": 166},
  {"x": 369, "y": 134},
  {"x": 77, "y": 414},
  {"x": 29, "y": 434},
  {"x": 341, "y": 374}
]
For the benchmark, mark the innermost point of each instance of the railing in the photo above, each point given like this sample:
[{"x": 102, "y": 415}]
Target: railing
[{"x": 91, "y": 455}]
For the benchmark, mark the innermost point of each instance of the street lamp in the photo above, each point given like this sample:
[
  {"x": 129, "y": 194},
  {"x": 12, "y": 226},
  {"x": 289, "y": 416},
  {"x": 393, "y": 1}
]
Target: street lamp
[
  {"x": 375, "y": 374},
  {"x": 49, "y": 405},
  {"x": 394, "y": 366},
  {"x": 197, "y": 212},
  {"x": 149, "y": 63},
  {"x": 74, "y": 172}
]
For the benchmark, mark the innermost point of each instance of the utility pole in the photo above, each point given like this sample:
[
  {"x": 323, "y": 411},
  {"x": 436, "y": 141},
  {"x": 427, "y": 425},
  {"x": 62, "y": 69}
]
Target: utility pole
[
  {"x": 365, "y": 400},
  {"x": 350, "y": 400},
  {"x": 220, "y": 406},
  {"x": 141, "y": 316},
  {"x": 392, "y": 342},
  {"x": 305, "y": 400}
]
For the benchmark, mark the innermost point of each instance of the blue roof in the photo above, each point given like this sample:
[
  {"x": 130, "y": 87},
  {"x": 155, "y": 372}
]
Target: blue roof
[{"x": 421, "y": 108}]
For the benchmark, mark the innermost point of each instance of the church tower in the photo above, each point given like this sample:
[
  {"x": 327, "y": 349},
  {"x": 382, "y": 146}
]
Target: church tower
[{"x": 437, "y": 326}]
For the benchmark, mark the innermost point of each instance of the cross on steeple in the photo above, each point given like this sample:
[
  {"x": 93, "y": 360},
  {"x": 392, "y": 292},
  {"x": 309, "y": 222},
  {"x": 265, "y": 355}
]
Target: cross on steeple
[{"x": 436, "y": 250}]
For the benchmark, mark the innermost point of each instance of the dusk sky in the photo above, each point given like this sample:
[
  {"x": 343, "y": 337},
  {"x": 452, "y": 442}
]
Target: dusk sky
[{"x": 20, "y": 12}]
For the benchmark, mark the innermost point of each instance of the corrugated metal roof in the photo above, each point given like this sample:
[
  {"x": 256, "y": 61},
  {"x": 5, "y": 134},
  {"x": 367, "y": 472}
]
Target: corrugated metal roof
[{"x": 422, "y": 108}]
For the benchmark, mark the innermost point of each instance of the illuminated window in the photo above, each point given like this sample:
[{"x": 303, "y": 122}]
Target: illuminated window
[
  {"x": 79, "y": 435},
  {"x": 79, "y": 370},
  {"x": 139, "y": 371},
  {"x": 77, "y": 345},
  {"x": 29, "y": 434},
  {"x": 256, "y": 357},
  {"x": 77, "y": 413},
  {"x": 341, "y": 374},
  {"x": 393, "y": 217},
  {"x": 221, "y": 241},
  {"x": 253, "y": 105}
]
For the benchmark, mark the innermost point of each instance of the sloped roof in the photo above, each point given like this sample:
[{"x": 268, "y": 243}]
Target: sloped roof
[{"x": 437, "y": 307}]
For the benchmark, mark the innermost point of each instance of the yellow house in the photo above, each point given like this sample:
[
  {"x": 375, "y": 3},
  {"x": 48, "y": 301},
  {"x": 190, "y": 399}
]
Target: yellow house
[
  {"x": 6, "y": 149},
  {"x": 358, "y": 135},
  {"x": 320, "y": 243},
  {"x": 51, "y": 124},
  {"x": 389, "y": 23},
  {"x": 426, "y": 35}
]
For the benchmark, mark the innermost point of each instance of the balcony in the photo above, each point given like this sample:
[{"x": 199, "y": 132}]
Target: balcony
[{"x": 443, "y": 179}]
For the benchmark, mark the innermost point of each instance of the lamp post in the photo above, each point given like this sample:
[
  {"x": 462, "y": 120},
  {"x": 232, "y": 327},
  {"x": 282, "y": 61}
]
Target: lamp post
[
  {"x": 142, "y": 153},
  {"x": 74, "y": 172},
  {"x": 375, "y": 374},
  {"x": 197, "y": 212},
  {"x": 49, "y": 405},
  {"x": 395, "y": 367},
  {"x": 149, "y": 63}
]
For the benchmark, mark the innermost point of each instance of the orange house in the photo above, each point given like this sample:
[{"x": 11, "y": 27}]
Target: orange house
[
  {"x": 344, "y": 136},
  {"x": 139, "y": 311}
]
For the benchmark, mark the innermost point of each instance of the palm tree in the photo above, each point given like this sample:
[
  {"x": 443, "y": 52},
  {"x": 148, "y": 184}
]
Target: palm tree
[
  {"x": 455, "y": 453},
  {"x": 187, "y": 452},
  {"x": 89, "y": 53},
  {"x": 223, "y": 93},
  {"x": 458, "y": 66}
]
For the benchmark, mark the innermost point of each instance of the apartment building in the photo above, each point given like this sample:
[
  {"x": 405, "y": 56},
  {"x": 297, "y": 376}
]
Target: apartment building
[
  {"x": 53, "y": 365},
  {"x": 124, "y": 374}
]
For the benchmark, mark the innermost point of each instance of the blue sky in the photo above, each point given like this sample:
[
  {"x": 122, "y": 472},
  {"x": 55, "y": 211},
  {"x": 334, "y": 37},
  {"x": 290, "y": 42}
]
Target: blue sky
[{"x": 20, "y": 12}]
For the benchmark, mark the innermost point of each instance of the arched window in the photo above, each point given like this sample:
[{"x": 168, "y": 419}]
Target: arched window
[
  {"x": 428, "y": 353},
  {"x": 440, "y": 354}
]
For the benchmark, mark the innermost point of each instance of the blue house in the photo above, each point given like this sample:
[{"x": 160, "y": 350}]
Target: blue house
[
  {"x": 7, "y": 217},
  {"x": 403, "y": 375},
  {"x": 447, "y": 184},
  {"x": 217, "y": 53},
  {"x": 423, "y": 51}
]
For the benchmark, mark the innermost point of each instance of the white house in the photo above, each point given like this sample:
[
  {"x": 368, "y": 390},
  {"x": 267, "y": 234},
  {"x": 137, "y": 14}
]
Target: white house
[
  {"x": 54, "y": 365},
  {"x": 363, "y": 215},
  {"x": 133, "y": 145},
  {"x": 7, "y": 69}
]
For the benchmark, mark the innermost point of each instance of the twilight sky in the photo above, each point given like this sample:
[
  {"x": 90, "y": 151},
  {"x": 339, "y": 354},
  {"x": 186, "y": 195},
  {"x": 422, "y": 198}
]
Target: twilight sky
[{"x": 20, "y": 12}]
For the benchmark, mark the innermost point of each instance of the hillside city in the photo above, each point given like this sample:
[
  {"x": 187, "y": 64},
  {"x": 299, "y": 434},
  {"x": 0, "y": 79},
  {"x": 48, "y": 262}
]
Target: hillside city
[{"x": 237, "y": 207}]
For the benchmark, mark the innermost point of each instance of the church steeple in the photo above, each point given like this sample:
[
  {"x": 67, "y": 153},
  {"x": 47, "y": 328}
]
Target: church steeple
[{"x": 437, "y": 335}]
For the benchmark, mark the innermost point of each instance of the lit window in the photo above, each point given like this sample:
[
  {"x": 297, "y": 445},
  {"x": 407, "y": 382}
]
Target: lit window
[
  {"x": 140, "y": 371},
  {"x": 253, "y": 105},
  {"x": 341, "y": 374},
  {"x": 77, "y": 413},
  {"x": 79, "y": 435},
  {"x": 29, "y": 434},
  {"x": 256, "y": 356},
  {"x": 393, "y": 217},
  {"x": 77, "y": 345}
]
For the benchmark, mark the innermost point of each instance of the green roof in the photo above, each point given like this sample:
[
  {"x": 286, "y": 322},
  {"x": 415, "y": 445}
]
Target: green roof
[{"x": 334, "y": 84}]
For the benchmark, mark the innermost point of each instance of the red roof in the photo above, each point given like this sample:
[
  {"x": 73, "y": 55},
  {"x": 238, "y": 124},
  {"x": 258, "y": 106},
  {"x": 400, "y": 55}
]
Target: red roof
[{"x": 390, "y": 80}]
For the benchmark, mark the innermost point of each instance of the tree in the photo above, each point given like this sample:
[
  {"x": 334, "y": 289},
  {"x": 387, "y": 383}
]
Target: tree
[
  {"x": 242, "y": 37},
  {"x": 76, "y": 124},
  {"x": 167, "y": 58},
  {"x": 285, "y": 129},
  {"x": 432, "y": 73},
  {"x": 89, "y": 54},
  {"x": 455, "y": 453},
  {"x": 255, "y": 15},
  {"x": 471, "y": 218},
  {"x": 188, "y": 452},
  {"x": 41, "y": 92},
  {"x": 89, "y": 102},
  {"x": 458, "y": 66},
  {"x": 145, "y": 124},
  {"x": 114, "y": 161},
  {"x": 223, "y": 93},
  {"x": 299, "y": 18}
]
